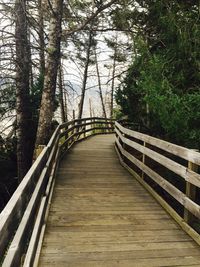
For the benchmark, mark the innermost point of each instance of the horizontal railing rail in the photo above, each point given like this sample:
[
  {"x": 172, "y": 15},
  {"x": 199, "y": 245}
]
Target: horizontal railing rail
[
  {"x": 135, "y": 149},
  {"x": 22, "y": 222}
]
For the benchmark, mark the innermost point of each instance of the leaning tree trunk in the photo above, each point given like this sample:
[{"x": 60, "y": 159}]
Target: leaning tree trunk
[
  {"x": 113, "y": 84},
  {"x": 61, "y": 95},
  {"x": 41, "y": 36},
  {"x": 24, "y": 155},
  {"x": 48, "y": 96},
  {"x": 99, "y": 83},
  {"x": 80, "y": 112}
]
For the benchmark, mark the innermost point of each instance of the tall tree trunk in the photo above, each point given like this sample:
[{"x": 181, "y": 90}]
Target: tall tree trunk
[
  {"x": 85, "y": 75},
  {"x": 113, "y": 83},
  {"x": 30, "y": 58},
  {"x": 99, "y": 84},
  {"x": 73, "y": 114},
  {"x": 48, "y": 96},
  {"x": 65, "y": 98},
  {"x": 90, "y": 105},
  {"x": 61, "y": 100},
  {"x": 24, "y": 156},
  {"x": 41, "y": 36}
]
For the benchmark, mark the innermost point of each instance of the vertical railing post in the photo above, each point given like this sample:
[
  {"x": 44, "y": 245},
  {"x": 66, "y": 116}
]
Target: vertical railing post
[
  {"x": 92, "y": 125},
  {"x": 67, "y": 144},
  {"x": 76, "y": 130},
  {"x": 95, "y": 126},
  {"x": 143, "y": 160},
  {"x": 123, "y": 146},
  {"x": 66, "y": 136},
  {"x": 84, "y": 129},
  {"x": 111, "y": 126},
  {"x": 190, "y": 193}
]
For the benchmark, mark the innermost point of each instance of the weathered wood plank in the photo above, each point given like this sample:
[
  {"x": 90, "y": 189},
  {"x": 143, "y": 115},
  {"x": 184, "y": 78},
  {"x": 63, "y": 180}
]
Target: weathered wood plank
[
  {"x": 101, "y": 216},
  {"x": 171, "y": 189},
  {"x": 13, "y": 212},
  {"x": 179, "y": 151},
  {"x": 132, "y": 262},
  {"x": 175, "y": 167},
  {"x": 120, "y": 255}
]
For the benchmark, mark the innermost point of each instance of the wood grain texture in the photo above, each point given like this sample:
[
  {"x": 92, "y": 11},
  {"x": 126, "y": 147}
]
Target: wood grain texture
[
  {"x": 101, "y": 216},
  {"x": 182, "y": 152},
  {"x": 184, "y": 172}
]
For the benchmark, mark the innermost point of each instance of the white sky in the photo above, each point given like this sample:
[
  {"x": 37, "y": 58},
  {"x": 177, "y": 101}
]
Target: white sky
[{"x": 71, "y": 72}]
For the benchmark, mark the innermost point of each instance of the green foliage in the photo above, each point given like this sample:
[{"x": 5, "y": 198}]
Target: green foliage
[
  {"x": 117, "y": 114},
  {"x": 161, "y": 90},
  {"x": 129, "y": 98},
  {"x": 35, "y": 96},
  {"x": 7, "y": 97},
  {"x": 8, "y": 167},
  {"x": 8, "y": 148}
]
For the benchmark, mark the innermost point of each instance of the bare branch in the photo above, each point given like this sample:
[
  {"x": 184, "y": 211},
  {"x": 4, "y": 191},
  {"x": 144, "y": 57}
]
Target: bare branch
[
  {"x": 118, "y": 75},
  {"x": 93, "y": 16}
]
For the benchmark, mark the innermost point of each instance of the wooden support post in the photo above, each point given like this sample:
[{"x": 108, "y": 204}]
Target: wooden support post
[
  {"x": 84, "y": 128},
  {"x": 76, "y": 130},
  {"x": 190, "y": 193},
  {"x": 65, "y": 137},
  {"x": 66, "y": 145},
  {"x": 93, "y": 125},
  {"x": 143, "y": 161},
  {"x": 123, "y": 146}
]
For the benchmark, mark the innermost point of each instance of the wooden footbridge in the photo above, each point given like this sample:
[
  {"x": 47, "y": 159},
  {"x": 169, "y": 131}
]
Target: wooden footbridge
[{"x": 78, "y": 206}]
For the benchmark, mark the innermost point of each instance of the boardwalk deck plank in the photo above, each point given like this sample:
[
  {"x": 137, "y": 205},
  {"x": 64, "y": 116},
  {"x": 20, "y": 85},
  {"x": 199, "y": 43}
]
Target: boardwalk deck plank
[{"x": 101, "y": 216}]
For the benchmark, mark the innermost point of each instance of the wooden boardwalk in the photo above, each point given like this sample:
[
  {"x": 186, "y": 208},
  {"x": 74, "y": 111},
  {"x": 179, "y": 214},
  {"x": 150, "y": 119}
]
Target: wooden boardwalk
[{"x": 101, "y": 216}]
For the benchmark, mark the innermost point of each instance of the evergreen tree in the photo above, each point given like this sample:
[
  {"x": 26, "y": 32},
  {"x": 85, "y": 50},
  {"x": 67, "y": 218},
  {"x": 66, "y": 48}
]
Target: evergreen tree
[{"x": 161, "y": 90}]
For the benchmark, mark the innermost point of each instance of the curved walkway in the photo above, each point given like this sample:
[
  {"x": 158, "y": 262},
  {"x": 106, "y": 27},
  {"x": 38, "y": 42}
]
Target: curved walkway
[{"x": 101, "y": 216}]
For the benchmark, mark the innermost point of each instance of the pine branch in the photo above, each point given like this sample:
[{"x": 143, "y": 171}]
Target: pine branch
[
  {"x": 93, "y": 16},
  {"x": 118, "y": 75}
]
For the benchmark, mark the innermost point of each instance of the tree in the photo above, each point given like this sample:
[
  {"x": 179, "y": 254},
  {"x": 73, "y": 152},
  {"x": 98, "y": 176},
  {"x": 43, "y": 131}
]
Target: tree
[
  {"x": 63, "y": 108},
  {"x": 24, "y": 156},
  {"x": 119, "y": 57},
  {"x": 23, "y": 48},
  {"x": 164, "y": 72},
  {"x": 87, "y": 61},
  {"x": 85, "y": 18},
  {"x": 99, "y": 85},
  {"x": 52, "y": 63},
  {"x": 19, "y": 93},
  {"x": 41, "y": 35}
]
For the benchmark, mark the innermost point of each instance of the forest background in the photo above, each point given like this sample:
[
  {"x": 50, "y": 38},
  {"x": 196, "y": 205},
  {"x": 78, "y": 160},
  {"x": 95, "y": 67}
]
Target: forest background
[{"x": 61, "y": 60}]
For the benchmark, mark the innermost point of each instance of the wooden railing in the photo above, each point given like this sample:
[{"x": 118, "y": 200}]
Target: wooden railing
[
  {"x": 22, "y": 222},
  {"x": 136, "y": 150}
]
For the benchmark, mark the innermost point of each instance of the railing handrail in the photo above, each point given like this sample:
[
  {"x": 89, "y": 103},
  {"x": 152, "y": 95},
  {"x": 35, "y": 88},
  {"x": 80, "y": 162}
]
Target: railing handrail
[
  {"x": 86, "y": 119},
  {"x": 154, "y": 148},
  {"x": 33, "y": 193},
  {"x": 180, "y": 151}
]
